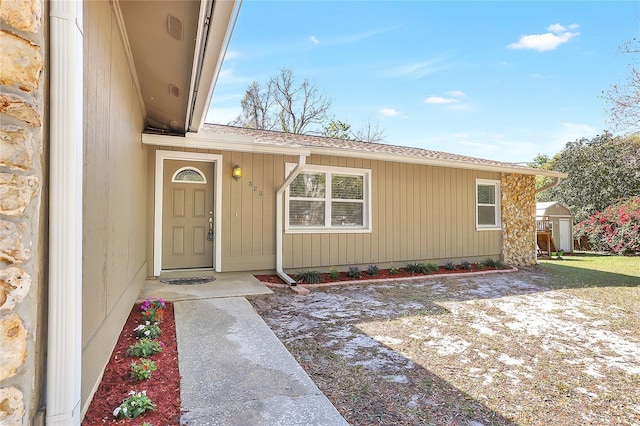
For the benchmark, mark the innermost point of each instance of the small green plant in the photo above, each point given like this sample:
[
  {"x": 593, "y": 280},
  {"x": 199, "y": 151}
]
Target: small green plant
[
  {"x": 142, "y": 370},
  {"x": 480, "y": 265},
  {"x": 465, "y": 264},
  {"x": 333, "y": 273},
  {"x": 494, "y": 263},
  {"x": 490, "y": 263},
  {"x": 308, "y": 277},
  {"x": 394, "y": 271},
  {"x": 149, "y": 329},
  {"x": 153, "y": 310},
  {"x": 145, "y": 348},
  {"x": 354, "y": 272},
  {"x": 136, "y": 404},
  {"x": 146, "y": 424},
  {"x": 416, "y": 268},
  {"x": 449, "y": 266},
  {"x": 431, "y": 267},
  {"x": 372, "y": 270}
]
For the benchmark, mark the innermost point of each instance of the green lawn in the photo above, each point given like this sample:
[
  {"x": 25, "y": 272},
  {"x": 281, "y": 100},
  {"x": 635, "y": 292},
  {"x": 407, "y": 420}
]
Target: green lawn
[{"x": 610, "y": 280}]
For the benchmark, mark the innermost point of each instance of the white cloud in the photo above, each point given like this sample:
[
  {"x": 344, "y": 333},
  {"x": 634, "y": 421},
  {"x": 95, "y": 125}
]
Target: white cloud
[
  {"x": 457, "y": 94},
  {"x": 439, "y": 100},
  {"x": 390, "y": 112},
  {"x": 314, "y": 39},
  {"x": 539, "y": 76},
  {"x": 417, "y": 70},
  {"x": 556, "y": 36}
]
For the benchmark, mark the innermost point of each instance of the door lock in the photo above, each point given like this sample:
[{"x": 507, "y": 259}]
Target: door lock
[{"x": 210, "y": 234}]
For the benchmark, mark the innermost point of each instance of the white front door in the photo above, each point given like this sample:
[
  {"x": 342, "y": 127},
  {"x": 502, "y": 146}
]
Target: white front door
[{"x": 565, "y": 235}]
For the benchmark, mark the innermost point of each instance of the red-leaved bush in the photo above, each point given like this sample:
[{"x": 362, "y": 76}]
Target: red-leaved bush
[{"x": 616, "y": 228}]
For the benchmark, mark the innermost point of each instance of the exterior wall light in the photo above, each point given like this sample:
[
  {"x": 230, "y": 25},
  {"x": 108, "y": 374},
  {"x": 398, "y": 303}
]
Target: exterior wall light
[{"x": 236, "y": 172}]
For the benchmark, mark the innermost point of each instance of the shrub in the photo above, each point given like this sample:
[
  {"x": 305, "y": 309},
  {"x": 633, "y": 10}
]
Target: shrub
[
  {"x": 449, "y": 266},
  {"x": 480, "y": 265},
  {"x": 372, "y": 270},
  {"x": 333, "y": 273},
  {"x": 145, "y": 348},
  {"x": 394, "y": 271},
  {"x": 616, "y": 228},
  {"x": 490, "y": 263},
  {"x": 309, "y": 277},
  {"x": 354, "y": 272},
  {"x": 142, "y": 370},
  {"x": 416, "y": 268},
  {"x": 431, "y": 267},
  {"x": 465, "y": 264}
]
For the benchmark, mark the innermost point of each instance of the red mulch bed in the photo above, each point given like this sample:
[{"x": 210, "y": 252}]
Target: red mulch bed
[
  {"x": 163, "y": 388},
  {"x": 381, "y": 275}
]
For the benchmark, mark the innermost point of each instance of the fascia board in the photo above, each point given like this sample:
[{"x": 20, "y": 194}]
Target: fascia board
[
  {"x": 222, "y": 142},
  {"x": 434, "y": 162},
  {"x": 207, "y": 63},
  {"x": 228, "y": 142}
]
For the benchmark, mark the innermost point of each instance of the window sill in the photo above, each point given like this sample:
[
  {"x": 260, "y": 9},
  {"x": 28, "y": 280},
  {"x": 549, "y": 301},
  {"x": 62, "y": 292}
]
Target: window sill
[
  {"x": 492, "y": 228},
  {"x": 328, "y": 231}
]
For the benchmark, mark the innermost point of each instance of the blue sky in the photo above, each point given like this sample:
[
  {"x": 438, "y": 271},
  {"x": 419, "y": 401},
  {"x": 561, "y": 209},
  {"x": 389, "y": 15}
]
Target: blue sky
[{"x": 499, "y": 80}]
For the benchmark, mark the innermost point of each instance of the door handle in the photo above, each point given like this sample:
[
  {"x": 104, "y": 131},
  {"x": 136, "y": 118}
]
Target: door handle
[{"x": 210, "y": 234}]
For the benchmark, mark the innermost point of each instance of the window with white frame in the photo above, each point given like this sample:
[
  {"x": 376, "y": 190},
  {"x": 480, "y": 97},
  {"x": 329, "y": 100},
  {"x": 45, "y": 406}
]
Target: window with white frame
[
  {"x": 332, "y": 199},
  {"x": 487, "y": 204}
]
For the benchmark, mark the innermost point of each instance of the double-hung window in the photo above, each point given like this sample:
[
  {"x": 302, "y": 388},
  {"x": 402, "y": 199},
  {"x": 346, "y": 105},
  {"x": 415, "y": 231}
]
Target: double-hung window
[
  {"x": 487, "y": 204},
  {"x": 329, "y": 199}
]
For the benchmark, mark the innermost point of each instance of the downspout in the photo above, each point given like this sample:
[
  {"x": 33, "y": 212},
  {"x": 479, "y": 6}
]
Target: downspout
[
  {"x": 553, "y": 184},
  {"x": 280, "y": 219},
  {"x": 64, "y": 334}
]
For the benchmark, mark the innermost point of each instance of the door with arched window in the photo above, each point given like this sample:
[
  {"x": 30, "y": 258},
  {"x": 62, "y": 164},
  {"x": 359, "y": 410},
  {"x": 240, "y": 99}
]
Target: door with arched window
[{"x": 187, "y": 215}]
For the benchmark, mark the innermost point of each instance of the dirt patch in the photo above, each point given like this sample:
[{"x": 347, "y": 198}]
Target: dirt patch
[
  {"x": 163, "y": 388},
  {"x": 492, "y": 349}
]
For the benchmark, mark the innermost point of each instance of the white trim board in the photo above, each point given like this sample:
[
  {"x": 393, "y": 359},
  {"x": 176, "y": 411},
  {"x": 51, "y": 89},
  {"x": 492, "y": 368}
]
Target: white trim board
[{"x": 162, "y": 155}]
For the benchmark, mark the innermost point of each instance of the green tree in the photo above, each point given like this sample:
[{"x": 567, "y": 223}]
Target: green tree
[
  {"x": 601, "y": 171},
  {"x": 338, "y": 129}
]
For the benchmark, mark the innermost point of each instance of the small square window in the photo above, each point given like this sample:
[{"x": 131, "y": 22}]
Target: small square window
[{"x": 487, "y": 204}]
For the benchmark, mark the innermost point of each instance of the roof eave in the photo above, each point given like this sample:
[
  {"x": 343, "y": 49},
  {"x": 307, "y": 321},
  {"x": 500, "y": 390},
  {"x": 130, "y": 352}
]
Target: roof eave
[
  {"x": 435, "y": 162},
  {"x": 230, "y": 142},
  {"x": 208, "y": 58}
]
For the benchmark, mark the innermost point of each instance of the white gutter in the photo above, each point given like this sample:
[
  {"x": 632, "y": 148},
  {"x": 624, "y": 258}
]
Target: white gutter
[
  {"x": 64, "y": 347},
  {"x": 214, "y": 33},
  {"x": 280, "y": 219}
]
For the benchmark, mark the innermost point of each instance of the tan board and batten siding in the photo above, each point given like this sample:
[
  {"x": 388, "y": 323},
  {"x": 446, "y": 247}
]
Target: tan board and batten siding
[
  {"x": 115, "y": 188},
  {"x": 419, "y": 213}
]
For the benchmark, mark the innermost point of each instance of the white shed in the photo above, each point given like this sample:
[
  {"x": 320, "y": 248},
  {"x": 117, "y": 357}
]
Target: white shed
[{"x": 557, "y": 218}]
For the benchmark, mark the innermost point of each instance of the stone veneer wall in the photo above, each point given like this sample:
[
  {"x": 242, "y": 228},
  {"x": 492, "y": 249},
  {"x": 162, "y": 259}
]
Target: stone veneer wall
[
  {"x": 518, "y": 219},
  {"x": 22, "y": 221}
]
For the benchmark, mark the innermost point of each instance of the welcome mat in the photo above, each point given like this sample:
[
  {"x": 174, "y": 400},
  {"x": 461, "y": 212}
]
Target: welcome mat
[{"x": 188, "y": 281}]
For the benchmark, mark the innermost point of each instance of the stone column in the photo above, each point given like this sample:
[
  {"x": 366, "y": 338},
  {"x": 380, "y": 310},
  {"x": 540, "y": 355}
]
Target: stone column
[
  {"x": 518, "y": 219},
  {"x": 21, "y": 215}
]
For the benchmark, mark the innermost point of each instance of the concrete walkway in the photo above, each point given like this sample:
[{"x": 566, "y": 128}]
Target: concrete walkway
[{"x": 234, "y": 370}]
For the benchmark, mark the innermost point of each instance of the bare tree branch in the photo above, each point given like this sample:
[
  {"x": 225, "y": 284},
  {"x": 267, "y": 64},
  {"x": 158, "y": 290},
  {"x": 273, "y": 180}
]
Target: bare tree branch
[{"x": 624, "y": 99}]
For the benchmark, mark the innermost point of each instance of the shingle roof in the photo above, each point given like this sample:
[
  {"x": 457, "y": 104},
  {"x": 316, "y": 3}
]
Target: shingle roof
[{"x": 347, "y": 148}]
